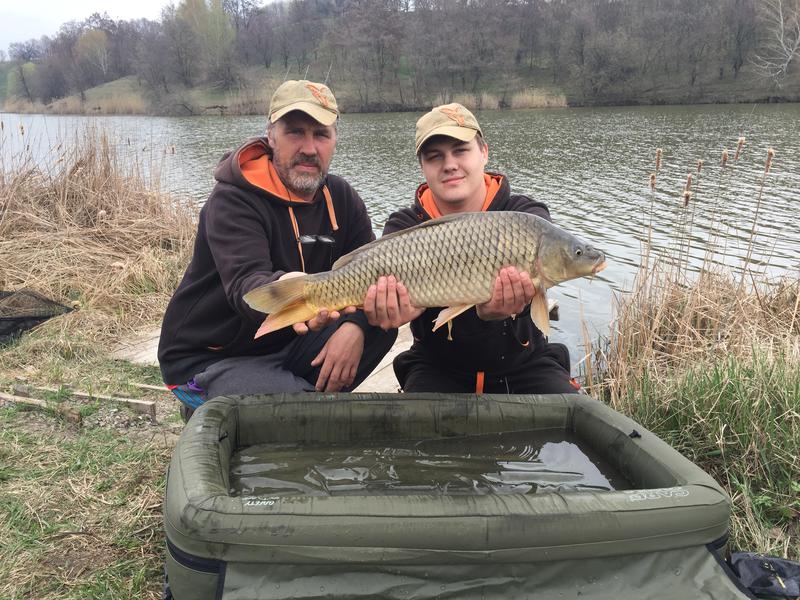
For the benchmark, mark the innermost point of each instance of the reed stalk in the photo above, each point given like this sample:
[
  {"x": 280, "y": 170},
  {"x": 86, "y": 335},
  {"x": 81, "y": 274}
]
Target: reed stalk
[{"x": 708, "y": 357}]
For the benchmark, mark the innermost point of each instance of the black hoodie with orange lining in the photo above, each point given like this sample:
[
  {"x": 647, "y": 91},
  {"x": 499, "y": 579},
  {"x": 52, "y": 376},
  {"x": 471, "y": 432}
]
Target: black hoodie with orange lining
[
  {"x": 247, "y": 236},
  {"x": 474, "y": 345}
]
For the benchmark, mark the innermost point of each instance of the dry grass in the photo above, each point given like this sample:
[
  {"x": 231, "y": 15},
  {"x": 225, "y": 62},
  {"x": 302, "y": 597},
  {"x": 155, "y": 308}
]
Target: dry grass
[
  {"x": 443, "y": 98},
  {"x": 468, "y": 101},
  {"x": 119, "y": 104},
  {"x": 246, "y": 101},
  {"x": 89, "y": 230},
  {"x": 667, "y": 323},
  {"x": 70, "y": 105},
  {"x": 708, "y": 357},
  {"x": 538, "y": 98},
  {"x": 18, "y": 105},
  {"x": 482, "y": 101},
  {"x": 488, "y": 101}
]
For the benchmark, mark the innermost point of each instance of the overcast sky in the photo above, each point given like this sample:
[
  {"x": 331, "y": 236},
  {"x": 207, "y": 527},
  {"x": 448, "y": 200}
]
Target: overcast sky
[{"x": 21, "y": 20}]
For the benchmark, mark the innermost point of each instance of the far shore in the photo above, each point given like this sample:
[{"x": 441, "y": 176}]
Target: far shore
[
  {"x": 221, "y": 110},
  {"x": 252, "y": 105}
]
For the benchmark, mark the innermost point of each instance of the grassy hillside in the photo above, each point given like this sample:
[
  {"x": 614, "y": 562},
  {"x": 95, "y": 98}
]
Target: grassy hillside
[{"x": 119, "y": 97}]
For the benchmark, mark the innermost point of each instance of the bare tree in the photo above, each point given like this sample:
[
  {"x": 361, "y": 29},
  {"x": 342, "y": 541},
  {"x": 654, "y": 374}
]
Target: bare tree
[
  {"x": 151, "y": 50},
  {"x": 28, "y": 51},
  {"x": 240, "y": 12},
  {"x": 782, "y": 46},
  {"x": 184, "y": 49},
  {"x": 740, "y": 24},
  {"x": 255, "y": 41}
]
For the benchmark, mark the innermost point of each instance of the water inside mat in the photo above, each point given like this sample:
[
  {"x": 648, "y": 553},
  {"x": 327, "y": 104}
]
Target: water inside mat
[{"x": 518, "y": 462}]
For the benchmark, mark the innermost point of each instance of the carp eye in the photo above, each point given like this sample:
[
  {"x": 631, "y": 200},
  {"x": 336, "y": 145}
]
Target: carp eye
[{"x": 578, "y": 252}]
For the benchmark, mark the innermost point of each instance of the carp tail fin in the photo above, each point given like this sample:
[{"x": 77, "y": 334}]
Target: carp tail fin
[{"x": 284, "y": 302}]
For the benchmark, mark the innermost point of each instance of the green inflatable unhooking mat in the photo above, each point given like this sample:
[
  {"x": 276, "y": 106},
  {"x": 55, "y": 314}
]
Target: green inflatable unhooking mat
[{"x": 256, "y": 509}]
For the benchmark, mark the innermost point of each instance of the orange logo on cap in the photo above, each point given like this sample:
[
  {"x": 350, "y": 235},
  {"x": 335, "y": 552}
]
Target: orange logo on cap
[
  {"x": 454, "y": 114},
  {"x": 320, "y": 93}
]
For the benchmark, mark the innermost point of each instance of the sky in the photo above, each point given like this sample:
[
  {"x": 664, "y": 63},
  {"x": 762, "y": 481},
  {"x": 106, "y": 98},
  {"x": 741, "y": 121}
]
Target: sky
[{"x": 21, "y": 20}]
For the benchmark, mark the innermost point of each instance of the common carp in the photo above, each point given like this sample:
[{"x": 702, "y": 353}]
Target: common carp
[{"x": 451, "y": 261}]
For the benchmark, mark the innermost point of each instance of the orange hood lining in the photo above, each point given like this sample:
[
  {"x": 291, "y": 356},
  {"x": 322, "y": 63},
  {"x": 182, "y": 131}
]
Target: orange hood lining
[
  {"x": 258, "y": 170},
  {"x": 426, "y": 200}
]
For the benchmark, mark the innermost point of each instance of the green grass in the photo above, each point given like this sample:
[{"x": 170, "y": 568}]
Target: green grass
[
  {"x": 119, "y": 87},
  {"x": 203, "y": 96},
  {"x": 79, "y": 511},
  {"x": 75, "y": 358},
  {"x": 739, "y": 419}
]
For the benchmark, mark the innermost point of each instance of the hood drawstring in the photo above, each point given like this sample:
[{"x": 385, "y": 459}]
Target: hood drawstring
[
  {"x": 480, "y": 377},
  {"x": 297, "y": 238},
  {"x": 331, "y": 218},
  {"x": 329, "y": 204}
]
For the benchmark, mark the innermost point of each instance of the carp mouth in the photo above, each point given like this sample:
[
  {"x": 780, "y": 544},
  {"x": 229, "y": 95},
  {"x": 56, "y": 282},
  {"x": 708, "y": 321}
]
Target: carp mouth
[{"x": 599, "y": 267}]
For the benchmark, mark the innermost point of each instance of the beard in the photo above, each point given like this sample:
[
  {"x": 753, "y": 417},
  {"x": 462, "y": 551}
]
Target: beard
[{"x": 299, "y": 183}]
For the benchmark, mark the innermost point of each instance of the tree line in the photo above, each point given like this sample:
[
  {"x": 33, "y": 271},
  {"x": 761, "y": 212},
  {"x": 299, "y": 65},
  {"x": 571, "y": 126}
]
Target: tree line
[{"x": 401, "y": 53}]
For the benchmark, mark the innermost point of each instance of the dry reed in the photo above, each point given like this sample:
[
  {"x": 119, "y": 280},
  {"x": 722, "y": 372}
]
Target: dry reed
[
  {"x": 481, "y": 101},
  {"x": 245, "y": 101},
  {"x": 70, "y": 105},
  {"x": 538, "y": 98},
  {"x": 468, "y": 101},
  {"x": 488, "y": 101},
  {"x": 442, "y": 98},
  {"x": 673, "y": 318},
  {"x": 709, "y": 358},
  {"x": 18, "y": 105},
  {"x": 89, "y": 230},
  {"x": 117, "y": 104}
]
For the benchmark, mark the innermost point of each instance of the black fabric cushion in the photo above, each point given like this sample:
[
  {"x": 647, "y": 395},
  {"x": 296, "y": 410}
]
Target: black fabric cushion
[{"x": 767, "y": 575}]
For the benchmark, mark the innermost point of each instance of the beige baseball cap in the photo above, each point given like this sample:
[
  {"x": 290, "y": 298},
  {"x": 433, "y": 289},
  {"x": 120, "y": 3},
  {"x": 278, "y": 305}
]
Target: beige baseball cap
[
  {"x": 452, "y": 120},
  {"x": 314, "y": 99}
]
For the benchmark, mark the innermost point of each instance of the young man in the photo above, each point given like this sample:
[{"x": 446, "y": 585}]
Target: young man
[
  {"x": 274, "y": 211},
  {"x": 494, "y": 347}
]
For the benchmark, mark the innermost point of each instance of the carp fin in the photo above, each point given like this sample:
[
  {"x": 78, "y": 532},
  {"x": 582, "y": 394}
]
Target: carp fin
[
  {"x": 283, "y": 301},
  {"x": 273, "y": 296},
  {"x": 298, "y": 312},
  {"x": 450, "y": 313},
  {"x": 539, "y": 312}
]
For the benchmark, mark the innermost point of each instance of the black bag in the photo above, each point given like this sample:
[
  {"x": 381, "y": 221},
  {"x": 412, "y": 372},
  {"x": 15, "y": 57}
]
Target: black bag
[{"x": 767, "y": 575}]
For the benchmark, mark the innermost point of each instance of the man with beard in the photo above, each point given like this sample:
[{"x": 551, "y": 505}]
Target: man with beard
[{"x": 274, "y": 211}]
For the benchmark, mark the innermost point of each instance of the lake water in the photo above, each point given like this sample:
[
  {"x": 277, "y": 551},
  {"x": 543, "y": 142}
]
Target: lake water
[{"x": 591, "y": 166}]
